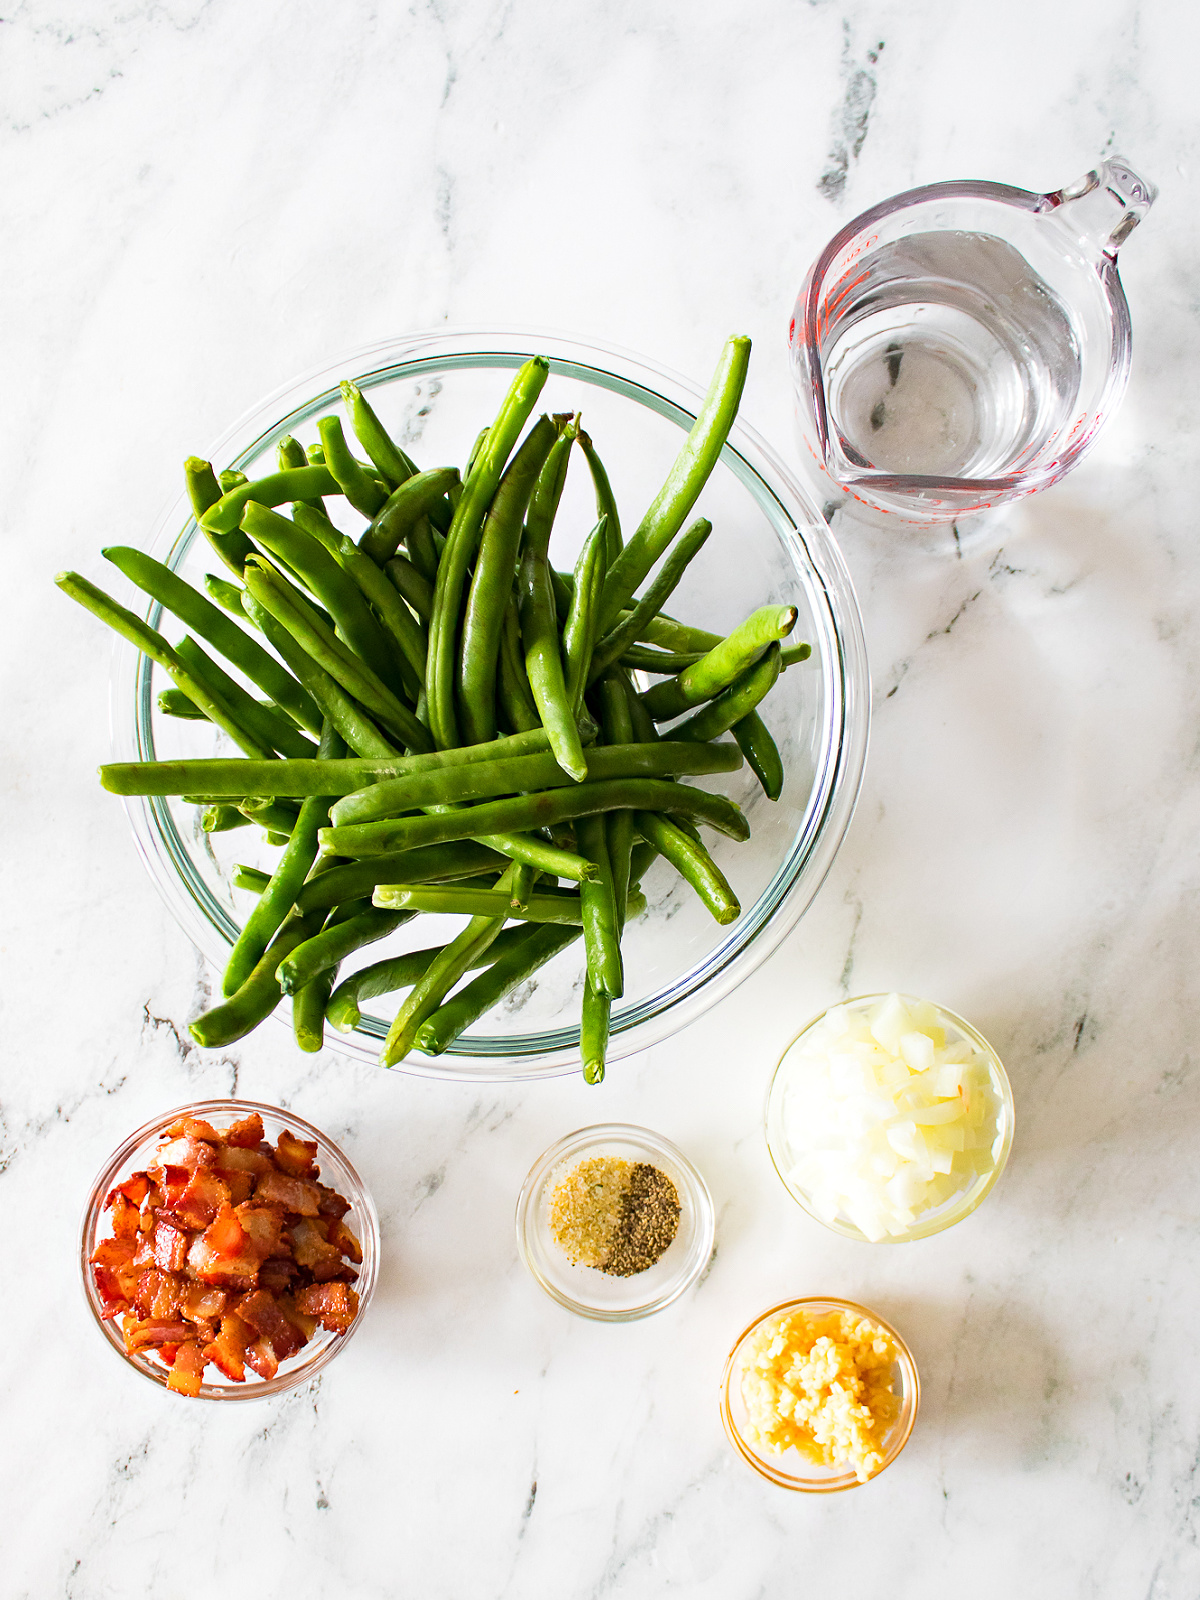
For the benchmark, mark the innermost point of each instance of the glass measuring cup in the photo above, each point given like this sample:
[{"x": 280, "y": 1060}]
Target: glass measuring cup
[{"x": 960, "y": 345}]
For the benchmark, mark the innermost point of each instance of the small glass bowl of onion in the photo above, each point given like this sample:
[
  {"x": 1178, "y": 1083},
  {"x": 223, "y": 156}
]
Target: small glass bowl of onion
[{"x": 889, "y": 1118}]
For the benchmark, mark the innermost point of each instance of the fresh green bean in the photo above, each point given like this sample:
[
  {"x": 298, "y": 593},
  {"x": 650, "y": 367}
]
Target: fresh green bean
[
  {"x": 219, "y": 776},
  {"x": 440, "y": 863},
  {"x": 616, "y": 725},
  {"x": 308, "y": 1011},
  {"x": 268, "y": 587},
  {"x": 400, "y": 972},
  {"x": 463, "y": 900},
  {"x": 519, "y": 774},
  {"x": 600, "y": 917},
  {"x": 761, "y": 753},
  {"x": 793, "y": 654},
  {"x": 333, "y": 944},
  {"x": 279, "y": 896},
  {"x": 405, "y": 634},
  {"x": 673, "y": 635},
  {"x": 361, "y": 489},
  {"x": 618, "y": 641},
  {"x": 276, "y": 817},
  {"x": 264, "y": 723},
  {"x": 492, "y": 582},
  {"x": 684, "y": 482},
  {"x": 174, "y": 703},
  {"x": 386, "y": 456},
  {"x": 412, "y": 586},
  {"x": 606, "y": 503},
  {"x": 152, "y": 644},
  {"x": 553, "y": 859},
  {"x": 536, "y": 811},
  {"x": 227, "y": 595},
  {"x": 693, "y": 863},
  {"x": 250, "y": 879},
  {"x": 347, "y": 716},
  {"x": 307, "y": 556},
  {"x": 297, "y": 483},
  {"x": 593, "y": 1033},
  {"x": 537, "y": 944},
  {"x": 539, "y": 619},
  {"x": 438, "y": 979},
  {"x": 290, "y": 454},
  {"x": 424, "y": 550},
  {"x": 395, "y": 520},
  {"x": 202, "y": 486},
  {"x": 665, "y": 663},
  {"x": 514, "y": 698},
  {"x": 204, "y": 491},
  {"x": 579, "y": 630},
  {"x": 222, "y": 819},
  {"x": 462, "y": 542},
  {"x": 733, "y": 703},
  {"x": 260, "y": 993},
  {"x": 723, "y": 663},
  {"x": 202, "y": 617},
  {"x": 231, "y": 478},
  {"x": 523, "y": 880}
]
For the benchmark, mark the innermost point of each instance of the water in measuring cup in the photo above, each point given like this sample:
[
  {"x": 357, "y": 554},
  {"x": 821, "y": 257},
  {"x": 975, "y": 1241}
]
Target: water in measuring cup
[{"x": 952, "y": 358}]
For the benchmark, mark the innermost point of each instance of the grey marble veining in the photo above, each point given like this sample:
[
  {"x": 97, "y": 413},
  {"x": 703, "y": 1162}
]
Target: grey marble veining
[{"x": 202, "y": 199}]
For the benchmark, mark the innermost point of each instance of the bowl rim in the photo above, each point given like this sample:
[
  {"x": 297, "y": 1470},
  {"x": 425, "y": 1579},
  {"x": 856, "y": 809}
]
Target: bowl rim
[
  {"x": 655, "y": 1144},
  {"x": 911, "y": 1400},
  {"x": 972, "y": 1197},
  {"x": 791, "y": 509},
  {"x": 93, "y": 1211}
]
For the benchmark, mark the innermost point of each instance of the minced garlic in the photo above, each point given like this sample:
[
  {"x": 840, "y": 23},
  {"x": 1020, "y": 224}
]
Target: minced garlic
[{"x": 822, "y": 1385}]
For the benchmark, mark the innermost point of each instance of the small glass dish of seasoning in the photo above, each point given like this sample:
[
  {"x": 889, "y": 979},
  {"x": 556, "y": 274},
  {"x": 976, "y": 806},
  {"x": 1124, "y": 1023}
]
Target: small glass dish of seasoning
[
  {"x": 819, "y": 1395},
  {"x": 614, "y": 1222}
]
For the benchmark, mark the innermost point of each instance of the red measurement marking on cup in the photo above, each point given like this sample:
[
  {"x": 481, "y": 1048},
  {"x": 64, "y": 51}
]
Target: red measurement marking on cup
[{"x": 832, "y": 301}]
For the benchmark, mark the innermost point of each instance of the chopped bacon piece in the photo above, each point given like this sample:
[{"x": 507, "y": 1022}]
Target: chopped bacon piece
[
  {"x": 192, "y": 1128},
  {"x": 293, "y": 1194},
  {"x": 262, "y": 1226},
  {"x": 201, "y": 1200},
  {"x": 247, "y": 1133},
  {"x": 124, "y": 1218},
  {"x": 113, "y": 1252},
  {"x": 313, "y": 1250},
  {"x": 297, "y": 1157},
  {"x": 261, "y": 1311},
  {"x": 187, "y": 1369},
  {"x": 224, "y": 1235},
  {"x": 150, "y": 1333},
  {"x": 113, "y": 1298},
  {"x": 228, "y": 1349},
  {"x": 240, "y": 1186},
  {"x": 333, "y": 1304},
  {"x": 237, "y": 1158},
  {"x": 331, "y": 1203},
  {"x": 341, "y": 1237},
  {"x": 143, "y": 1255},
  {"x": 261, "y": 1357},
  {"x": 277, "y": 1274},
  {"x": 170, "y": 1247},
  {"x": 200, "y": 1303},
  {"x": 308, "y": 1325},
  {"x": 188, "y": 1153},
  {"x": 134, "y": 1189},
  {"x": 169, "y": 1290}
]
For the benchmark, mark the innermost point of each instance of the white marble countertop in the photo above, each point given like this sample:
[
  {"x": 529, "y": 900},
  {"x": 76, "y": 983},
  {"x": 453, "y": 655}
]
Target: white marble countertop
[{"x": 202, "y": 199}]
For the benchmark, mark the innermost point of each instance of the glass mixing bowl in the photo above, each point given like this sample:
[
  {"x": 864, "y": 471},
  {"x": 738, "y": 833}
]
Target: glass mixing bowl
[{"x": 770, "y": 545}]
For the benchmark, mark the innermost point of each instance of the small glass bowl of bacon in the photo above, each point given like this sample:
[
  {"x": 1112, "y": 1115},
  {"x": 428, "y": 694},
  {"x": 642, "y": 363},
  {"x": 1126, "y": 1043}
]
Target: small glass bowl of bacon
[{"x": 229, "y": 1250}]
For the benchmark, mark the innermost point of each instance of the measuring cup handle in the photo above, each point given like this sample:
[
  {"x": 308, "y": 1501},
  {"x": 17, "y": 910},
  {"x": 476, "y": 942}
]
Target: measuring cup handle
[{"x": 1102, "y": 208}]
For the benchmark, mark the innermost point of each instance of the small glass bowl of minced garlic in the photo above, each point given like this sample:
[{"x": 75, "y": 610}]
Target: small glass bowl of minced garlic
[{"x": 614, "y": 1222}]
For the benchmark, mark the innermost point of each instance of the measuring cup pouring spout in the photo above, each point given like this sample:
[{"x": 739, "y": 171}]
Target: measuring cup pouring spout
[{"x": 959, "y": 346}]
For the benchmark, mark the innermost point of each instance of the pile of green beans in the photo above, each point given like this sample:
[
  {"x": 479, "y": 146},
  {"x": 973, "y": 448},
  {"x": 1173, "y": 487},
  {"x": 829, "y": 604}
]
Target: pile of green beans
[{"x": 444, "y": 722}]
